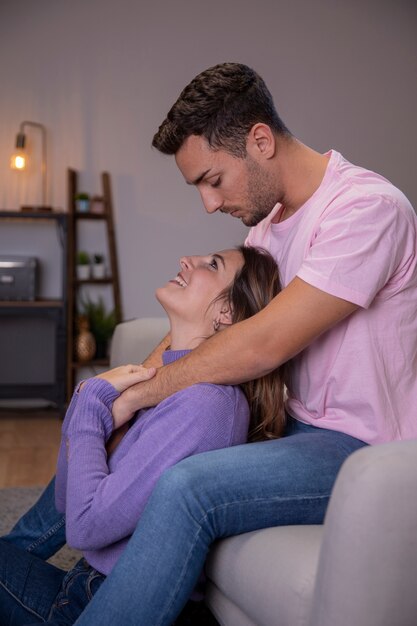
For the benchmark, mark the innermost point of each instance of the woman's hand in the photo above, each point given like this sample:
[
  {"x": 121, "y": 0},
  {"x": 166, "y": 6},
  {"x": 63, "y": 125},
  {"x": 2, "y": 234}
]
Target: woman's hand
[{"x": 125, "y": 376}]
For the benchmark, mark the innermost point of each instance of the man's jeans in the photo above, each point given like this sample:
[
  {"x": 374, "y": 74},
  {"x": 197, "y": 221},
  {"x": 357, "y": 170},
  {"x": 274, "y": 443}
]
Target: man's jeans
[
  {"x": 201, "y": 499},
  {"x": 209, "y": 496}
]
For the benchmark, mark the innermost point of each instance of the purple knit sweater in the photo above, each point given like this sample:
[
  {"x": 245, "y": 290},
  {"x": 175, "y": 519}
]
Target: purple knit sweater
[{"x": 103, "y": 498}]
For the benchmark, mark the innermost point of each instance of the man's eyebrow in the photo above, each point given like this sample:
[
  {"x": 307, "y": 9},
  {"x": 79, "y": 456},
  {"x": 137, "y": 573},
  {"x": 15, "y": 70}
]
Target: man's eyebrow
[
  {"x": 219, "y": 256},
  {"x": 198, "y": 179}
]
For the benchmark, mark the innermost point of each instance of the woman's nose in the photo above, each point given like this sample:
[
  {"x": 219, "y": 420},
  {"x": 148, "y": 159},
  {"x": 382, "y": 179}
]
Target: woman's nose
[{"x": 186, "y": 262}]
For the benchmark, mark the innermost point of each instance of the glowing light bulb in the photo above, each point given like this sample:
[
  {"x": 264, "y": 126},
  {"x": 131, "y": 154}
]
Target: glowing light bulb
[{"x": 18, "y": 161}]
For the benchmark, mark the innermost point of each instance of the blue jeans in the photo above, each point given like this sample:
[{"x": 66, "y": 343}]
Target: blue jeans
[
  {"x": 31, "y": 590},
  {"x": 35, "y": 592},
  {"x": 40, "y": 531},
  {"x": 203, "y": 498},
  {"x": 210, "y": 496}
]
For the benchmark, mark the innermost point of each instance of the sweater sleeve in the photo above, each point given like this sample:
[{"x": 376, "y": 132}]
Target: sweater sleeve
[
  {"x": 104, "y": 507},
  {"x": 88, "y": 417},
  {"x": 62, "y": 464}
]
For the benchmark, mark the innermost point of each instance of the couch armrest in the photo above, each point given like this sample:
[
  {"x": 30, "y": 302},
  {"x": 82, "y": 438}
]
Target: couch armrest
[
  {"x": 368, "y": 560},
  {"x": 134, "y": 340}
]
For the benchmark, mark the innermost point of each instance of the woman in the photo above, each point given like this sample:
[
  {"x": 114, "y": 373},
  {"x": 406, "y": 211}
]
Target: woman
[{"x": 103, "y": 495}]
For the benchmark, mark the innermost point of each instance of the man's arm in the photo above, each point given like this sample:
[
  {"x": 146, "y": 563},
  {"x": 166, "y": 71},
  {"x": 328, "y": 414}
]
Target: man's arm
[
  {"x": 155, "y": 357},
  {"x": 247, "y": 350}
]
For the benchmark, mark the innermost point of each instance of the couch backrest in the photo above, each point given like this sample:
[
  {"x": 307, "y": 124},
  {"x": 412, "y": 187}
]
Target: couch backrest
[{"x": 134, "y": 340}]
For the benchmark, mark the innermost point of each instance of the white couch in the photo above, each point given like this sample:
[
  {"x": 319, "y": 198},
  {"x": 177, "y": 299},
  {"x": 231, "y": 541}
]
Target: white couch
[{"x": 358, "y": 569}]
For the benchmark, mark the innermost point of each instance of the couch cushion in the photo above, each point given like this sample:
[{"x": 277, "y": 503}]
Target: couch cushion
[
  {"x": 268, "y": 574},
  {"x": 134, "y": 340},
  {"x": 368, "y": 563},
  {"x": 225, "y": 611}
]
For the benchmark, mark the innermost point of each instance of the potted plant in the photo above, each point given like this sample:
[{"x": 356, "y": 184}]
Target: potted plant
[
  {"x": 83, "y": 265},
  {"x": 98, "y": 268},
  {"x": 97, "y": 204},
  {"x": 102, "y": 323},
  {"x": 82, "y": 201}
]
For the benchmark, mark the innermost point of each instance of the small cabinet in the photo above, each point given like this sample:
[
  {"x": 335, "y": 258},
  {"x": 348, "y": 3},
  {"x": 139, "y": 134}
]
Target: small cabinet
[{"x": 33, "y": 339}]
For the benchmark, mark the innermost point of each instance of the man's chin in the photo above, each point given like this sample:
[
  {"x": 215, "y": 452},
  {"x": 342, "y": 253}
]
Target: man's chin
[
  {"x": 248, "y": 220},
  {"x": 251, "y": 220}
]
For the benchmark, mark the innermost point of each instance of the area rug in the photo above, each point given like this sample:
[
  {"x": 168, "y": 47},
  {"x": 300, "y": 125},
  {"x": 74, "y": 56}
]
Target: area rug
[{"x": 16, "y": 501}]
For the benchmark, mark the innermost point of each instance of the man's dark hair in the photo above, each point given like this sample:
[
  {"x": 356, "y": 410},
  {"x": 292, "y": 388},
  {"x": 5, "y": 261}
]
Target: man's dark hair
[{"x": 221, "y": 104}]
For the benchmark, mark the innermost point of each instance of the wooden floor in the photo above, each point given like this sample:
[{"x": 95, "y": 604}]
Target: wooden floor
[{"x": 29, "y": 443}]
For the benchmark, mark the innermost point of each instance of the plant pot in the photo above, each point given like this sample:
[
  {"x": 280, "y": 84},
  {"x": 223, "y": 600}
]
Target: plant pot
[
  {"x": 97, "y": 204},
  {"x": 98, "y": 270},
  {"x": 83, "y": 272},
  {"x": 83, "y": 206}
]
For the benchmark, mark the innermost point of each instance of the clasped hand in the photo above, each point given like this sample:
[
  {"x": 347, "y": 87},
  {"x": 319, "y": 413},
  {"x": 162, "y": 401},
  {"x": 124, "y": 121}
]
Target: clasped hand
[{"x": 122, "y": 378}]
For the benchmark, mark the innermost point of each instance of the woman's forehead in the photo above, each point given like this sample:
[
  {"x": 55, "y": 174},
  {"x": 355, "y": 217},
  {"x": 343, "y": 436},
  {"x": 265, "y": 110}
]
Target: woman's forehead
[
  {"x": 230, "y": 253},
  {"x": 232, "y": 258}
]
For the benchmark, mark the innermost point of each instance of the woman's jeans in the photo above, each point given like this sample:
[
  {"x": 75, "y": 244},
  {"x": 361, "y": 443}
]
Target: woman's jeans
[
  {"x": 41, "y": 531},
  {"x": 31, "y": 590},
  {"x": 35, "y": 592},
  {"x": 207, "y": 497}
]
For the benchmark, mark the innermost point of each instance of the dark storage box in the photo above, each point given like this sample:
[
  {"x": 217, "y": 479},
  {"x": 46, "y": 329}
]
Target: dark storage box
[{"x": 18, "y": 278}]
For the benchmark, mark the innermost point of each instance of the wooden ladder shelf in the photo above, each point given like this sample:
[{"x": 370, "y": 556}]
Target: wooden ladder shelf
[{"x": 73, "y": 283}]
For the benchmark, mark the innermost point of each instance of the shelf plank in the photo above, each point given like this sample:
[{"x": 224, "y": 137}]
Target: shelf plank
[
  {"x": 25, "y": 304},
  {"x": 90, "y": 216},
  {"x": 32, "y": 215},
  {"x": 92, "y": 363},
  {"x": 94, "y": 281}
]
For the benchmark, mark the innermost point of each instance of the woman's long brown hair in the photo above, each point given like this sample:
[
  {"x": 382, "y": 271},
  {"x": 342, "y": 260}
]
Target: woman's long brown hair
[{"x": 254, "y": 286}]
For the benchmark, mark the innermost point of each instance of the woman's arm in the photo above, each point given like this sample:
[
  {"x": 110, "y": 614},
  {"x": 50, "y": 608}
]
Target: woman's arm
[
  {"x": 62, "y": 465},
  {"x": 104, "y": 506}
]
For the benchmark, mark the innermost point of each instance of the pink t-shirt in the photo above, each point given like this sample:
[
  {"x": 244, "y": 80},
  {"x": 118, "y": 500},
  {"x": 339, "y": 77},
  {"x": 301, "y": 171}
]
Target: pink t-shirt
[{"x": 355, "y": 238}]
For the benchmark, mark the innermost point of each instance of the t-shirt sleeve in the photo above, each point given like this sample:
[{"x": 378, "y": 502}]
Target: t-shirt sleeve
[{"x": 360, "y": 248}]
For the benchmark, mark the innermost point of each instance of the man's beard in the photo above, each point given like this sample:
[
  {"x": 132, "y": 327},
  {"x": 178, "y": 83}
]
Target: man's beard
[{"x": 261, "y": 193}]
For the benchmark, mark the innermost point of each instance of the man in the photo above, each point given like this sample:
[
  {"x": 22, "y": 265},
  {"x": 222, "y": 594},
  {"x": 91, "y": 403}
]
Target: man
[{"x": 345, "y": 242}]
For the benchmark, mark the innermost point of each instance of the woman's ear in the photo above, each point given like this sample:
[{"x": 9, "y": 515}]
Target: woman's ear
[{"x": 225, "y": 315}]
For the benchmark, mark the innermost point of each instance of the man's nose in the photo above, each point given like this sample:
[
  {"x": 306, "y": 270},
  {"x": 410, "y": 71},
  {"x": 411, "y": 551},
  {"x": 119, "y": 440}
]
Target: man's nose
[{"x": 211, "y": 199}]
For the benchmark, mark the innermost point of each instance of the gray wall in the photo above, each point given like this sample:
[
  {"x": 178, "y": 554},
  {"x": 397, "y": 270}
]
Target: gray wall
[{"x": 101, "y": 75}]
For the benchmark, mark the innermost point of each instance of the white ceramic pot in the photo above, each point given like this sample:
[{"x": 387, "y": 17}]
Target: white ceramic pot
[
  {"x": 98, "y": 270},
  {"x": 83, "y": 272}
]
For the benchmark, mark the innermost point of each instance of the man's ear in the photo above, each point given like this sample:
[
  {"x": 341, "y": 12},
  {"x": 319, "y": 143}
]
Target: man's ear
[{"x": 261, "y": 141}]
